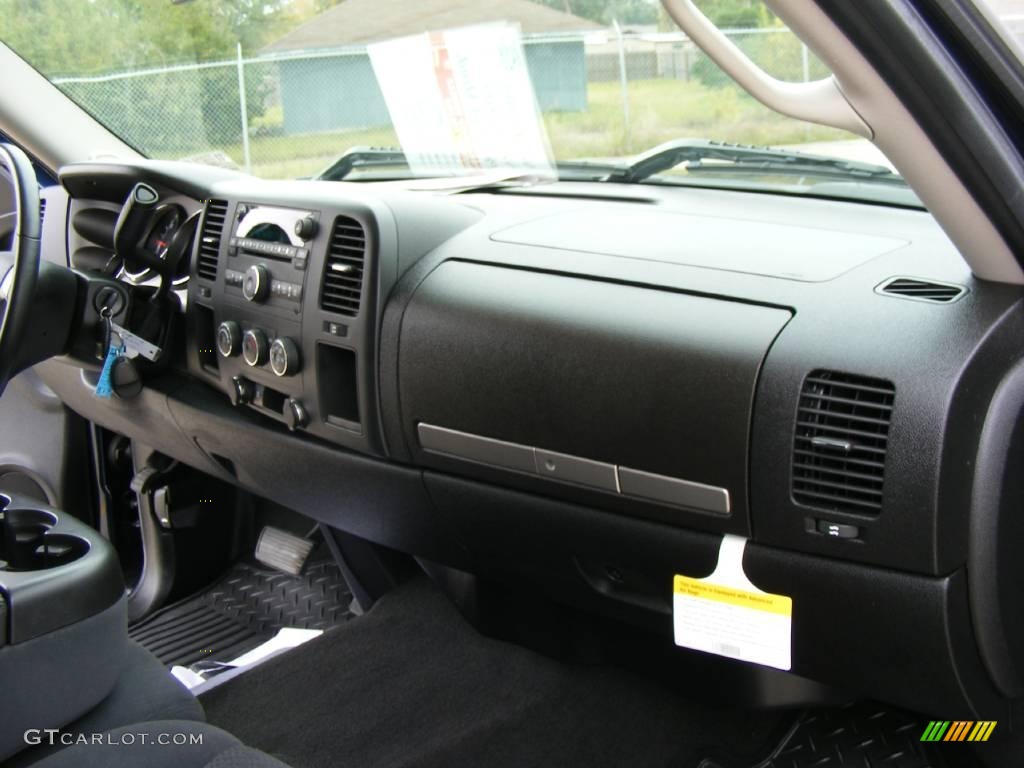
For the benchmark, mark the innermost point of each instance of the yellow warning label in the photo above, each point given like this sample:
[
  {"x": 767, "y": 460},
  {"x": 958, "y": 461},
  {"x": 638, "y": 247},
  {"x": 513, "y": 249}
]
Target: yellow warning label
[{"x": 761, "y": 601}]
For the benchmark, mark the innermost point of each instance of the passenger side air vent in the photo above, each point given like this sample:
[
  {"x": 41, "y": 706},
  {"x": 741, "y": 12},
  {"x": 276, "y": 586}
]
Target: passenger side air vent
[
  {"x": 921, "y": 290},
  {"x": 842, "y": 434},
  {"x": 209, "y": 239},
  {"x": 343, "y": 272}
]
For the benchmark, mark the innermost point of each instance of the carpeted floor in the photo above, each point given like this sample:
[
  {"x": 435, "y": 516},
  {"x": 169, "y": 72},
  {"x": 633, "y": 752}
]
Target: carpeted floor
[{"x": 412, "y": 684}]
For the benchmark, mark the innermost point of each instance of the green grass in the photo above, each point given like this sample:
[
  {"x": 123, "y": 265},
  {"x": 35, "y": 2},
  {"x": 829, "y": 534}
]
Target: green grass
[{"x": 660, "y": 110}]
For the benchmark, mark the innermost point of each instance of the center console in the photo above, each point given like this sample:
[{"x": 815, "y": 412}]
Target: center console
[
  {"x": 281, "y": 313},
  {"x": 62, "y": 619},
  {"x": 259, "y": 337}
]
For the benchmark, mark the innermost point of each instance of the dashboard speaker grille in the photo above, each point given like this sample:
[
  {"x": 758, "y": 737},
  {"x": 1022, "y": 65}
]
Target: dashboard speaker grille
[
  {"x": 343, "y": 272},
  {"x": 841, "y": 439},
  {"x": 922, "y": 290},
  {"x": 209, "y": 239}
]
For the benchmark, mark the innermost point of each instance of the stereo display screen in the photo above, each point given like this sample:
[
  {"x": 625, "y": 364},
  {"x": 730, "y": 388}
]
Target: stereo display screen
[{"x": 268, "y": 224}]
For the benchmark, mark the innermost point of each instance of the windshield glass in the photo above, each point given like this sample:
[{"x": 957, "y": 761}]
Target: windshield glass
[
  {"x": 1007, "y": 17},
  {"x": 566, "y": 88}
]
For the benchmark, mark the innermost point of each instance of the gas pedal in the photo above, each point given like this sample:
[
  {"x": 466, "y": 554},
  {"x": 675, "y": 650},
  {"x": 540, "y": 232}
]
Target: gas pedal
[{"x": 282, "y": 550}]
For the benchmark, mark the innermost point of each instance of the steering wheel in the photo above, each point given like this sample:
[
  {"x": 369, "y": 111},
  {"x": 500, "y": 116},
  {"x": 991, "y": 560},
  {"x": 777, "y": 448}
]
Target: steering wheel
[{"x": 19, "y": 267}]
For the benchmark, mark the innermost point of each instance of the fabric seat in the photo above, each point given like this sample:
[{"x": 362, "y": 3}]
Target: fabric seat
[
  {"x": 161, "y": 744},
  {"x": 144, "y": 691}
]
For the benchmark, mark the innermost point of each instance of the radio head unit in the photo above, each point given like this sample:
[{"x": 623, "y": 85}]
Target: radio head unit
[{"x": 273, "y": 233}]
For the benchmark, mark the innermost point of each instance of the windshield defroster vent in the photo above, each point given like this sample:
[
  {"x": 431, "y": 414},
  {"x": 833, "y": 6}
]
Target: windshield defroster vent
[
  {"x": 209, "y": 239},
  {"x": 343, "y": 272},
  {"x": 922, "y": 290},
  {"x": 841, "y": 439}
]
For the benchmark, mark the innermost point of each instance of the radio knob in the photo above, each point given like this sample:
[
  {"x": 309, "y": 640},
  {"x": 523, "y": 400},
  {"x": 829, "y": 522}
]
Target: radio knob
[
  {"x": 295, "y": 416},
  {"x": 229, "y": 338},
  {"x": 285, "y": 359},
  {"x": 254, "y": 347},
  {"x": 256, "y": 283},
  {"x": 306, "y": 227}
]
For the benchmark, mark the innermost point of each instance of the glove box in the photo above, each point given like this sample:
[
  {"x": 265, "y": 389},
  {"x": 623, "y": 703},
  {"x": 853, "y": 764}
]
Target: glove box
[{"x": 630, "y": 398}]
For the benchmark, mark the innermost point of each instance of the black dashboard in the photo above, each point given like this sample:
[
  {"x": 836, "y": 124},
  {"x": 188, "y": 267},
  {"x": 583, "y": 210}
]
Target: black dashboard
[{"x": 586, "y": 385}]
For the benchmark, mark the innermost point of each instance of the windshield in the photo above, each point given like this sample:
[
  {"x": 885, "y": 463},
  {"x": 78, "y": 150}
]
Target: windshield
[
  {"x": 1007, "y": 18},
  {"x": 389, "y": 89}
]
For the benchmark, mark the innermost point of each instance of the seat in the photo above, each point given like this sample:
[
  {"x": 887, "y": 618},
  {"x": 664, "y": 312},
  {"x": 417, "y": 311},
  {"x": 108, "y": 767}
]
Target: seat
[
  {"x": 144, "y": 691},
  {"x": 161, "y": 744}
]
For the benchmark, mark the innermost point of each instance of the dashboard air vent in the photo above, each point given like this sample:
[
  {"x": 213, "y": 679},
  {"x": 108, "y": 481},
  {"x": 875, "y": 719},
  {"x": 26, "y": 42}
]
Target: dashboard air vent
[
  {"x": 922, "y": 290},
  {"x": 842, "y": 434},
  {"x": 209, "y": 239},
  {"x": 343, "y": 272}
]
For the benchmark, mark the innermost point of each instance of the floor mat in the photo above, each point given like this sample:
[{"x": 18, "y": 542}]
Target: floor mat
[
  {"x": 865, "y": 734},
  {"x": 412, "y": 684},
  {"x": 246, "y": 607}
]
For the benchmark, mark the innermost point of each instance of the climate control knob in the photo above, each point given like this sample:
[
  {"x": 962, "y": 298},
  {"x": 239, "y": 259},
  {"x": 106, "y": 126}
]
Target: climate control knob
[
  {"x": 229, "y": 338},
  {"x": 256, "y": 283},
  {"x": 285, "y": 359},
  {"x": 255, "y": 347}
]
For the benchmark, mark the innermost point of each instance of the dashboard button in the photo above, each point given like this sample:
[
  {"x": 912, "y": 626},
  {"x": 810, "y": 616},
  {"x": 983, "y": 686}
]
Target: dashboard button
[
  {"x": 838, "y": 530},
  {"x": 573, "y": 469},
  {"x": 229, "y": 338},
  {"x": 145, "y": 194},
  {"x": 256, "y": 283},
  {"x": 241, "y": 391},
  {"x": 285, "y": 359},
  {"x": 255, "y": 347},
  {"x": 295, "y": 415}
]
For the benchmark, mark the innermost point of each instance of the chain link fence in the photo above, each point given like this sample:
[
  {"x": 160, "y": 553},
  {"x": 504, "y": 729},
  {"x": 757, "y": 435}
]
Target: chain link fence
[{"x": 605, "y": 94}]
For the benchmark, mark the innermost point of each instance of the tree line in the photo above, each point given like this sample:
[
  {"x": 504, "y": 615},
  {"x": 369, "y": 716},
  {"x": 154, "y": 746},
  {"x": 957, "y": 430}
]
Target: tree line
[
  {"x": 78, "y": 37},
  {"x": 724, "y": 13}
]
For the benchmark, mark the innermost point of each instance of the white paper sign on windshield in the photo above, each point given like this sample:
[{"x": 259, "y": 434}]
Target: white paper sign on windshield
[{"x": 461, "y": 101}]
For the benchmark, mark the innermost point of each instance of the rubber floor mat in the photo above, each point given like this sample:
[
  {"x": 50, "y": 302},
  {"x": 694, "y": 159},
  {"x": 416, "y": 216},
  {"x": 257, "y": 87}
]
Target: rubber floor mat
[
  {"x": 865, "y": 735},
  {"x": 246, "y": 607}
]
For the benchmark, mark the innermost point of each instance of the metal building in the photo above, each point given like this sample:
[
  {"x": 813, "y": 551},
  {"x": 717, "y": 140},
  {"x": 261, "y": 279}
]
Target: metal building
[{"x": 339, "y": 91}]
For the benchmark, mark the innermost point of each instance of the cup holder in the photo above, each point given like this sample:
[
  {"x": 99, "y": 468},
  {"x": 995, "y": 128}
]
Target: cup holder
[{"x": 27, "y": 544}]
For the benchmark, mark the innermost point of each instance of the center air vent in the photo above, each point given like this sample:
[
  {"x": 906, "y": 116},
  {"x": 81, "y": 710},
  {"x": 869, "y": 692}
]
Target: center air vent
[
  {"x": 842, "y": 434},
  {"x": 209, "y": 239},
  {"x": 343, "y": 272},
  {"x": 922, "y": 290}
]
